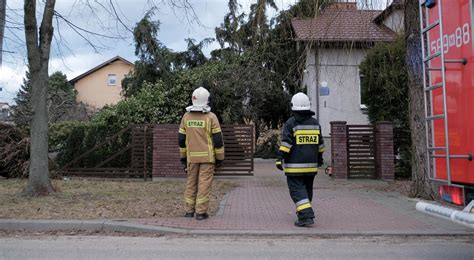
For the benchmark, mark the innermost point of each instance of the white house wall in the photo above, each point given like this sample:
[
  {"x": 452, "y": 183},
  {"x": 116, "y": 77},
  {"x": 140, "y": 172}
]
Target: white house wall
[
  {"x": 309, "y": 77},
  {"x": 395, "y": 21},
  {"x": 340, "y": 69}
]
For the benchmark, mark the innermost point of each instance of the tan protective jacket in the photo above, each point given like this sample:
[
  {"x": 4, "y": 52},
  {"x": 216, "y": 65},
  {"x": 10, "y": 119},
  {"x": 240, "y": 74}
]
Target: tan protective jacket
[{"x": 200, "y": 138}]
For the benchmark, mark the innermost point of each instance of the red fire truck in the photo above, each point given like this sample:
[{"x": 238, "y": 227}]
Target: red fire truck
[{"x": 448, "y": 65}]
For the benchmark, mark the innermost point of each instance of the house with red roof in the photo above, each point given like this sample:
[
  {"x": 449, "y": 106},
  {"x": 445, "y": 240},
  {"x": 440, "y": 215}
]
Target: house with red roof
[{"x": 336, "y": 41}]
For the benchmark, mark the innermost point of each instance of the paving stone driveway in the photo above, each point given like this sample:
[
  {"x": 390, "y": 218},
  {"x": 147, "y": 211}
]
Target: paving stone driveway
[{"x": 262, "y": 203}]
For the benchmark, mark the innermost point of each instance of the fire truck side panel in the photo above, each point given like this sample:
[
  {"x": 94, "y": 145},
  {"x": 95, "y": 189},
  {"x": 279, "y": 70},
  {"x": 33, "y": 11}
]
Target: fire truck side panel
[{"x": 458, "y": 44}]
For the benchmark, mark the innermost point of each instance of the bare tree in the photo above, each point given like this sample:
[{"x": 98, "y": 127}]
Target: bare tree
[
  {"x": 38, "y": 46},
  {"x": 3, "y": 9},
  {"x": 421, "y": 186}
]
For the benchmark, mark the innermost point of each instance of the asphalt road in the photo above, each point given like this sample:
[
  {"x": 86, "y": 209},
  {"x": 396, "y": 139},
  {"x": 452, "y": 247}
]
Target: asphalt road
[{"x": 100, "y": 247}]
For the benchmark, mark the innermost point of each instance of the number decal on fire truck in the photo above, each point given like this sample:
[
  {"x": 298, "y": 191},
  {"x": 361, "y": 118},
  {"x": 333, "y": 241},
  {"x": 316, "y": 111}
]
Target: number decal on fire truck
[{"x": 460, "y": 37}]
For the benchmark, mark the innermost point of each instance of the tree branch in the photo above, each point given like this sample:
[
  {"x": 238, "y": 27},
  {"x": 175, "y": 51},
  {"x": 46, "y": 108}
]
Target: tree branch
[
  {"x": 31, "y": 32},
  {"x": 46, "y": 29}
]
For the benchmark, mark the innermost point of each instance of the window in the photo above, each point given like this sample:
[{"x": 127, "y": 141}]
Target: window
[
  {"x": 362, "y": 92},
  {"x": 112, "y": 80}
]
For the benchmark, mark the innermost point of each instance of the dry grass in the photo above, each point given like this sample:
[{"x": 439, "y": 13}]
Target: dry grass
[{"x": 102, "y": 199}]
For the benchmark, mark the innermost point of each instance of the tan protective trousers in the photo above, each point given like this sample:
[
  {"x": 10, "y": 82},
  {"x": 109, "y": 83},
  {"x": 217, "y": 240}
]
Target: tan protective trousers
[{"x": 198, "y": 187}]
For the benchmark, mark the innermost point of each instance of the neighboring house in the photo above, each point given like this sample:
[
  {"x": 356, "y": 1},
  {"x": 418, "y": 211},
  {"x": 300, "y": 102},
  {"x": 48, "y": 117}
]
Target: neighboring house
[
  {"x": 5, "y": 112},
  {"x": 101, "y": 85},
  {"x": 336, "y": 42}
]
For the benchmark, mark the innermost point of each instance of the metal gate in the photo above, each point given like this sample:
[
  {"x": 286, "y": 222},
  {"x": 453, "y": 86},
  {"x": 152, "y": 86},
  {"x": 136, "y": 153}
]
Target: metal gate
[{"x": 361, "y": 151}]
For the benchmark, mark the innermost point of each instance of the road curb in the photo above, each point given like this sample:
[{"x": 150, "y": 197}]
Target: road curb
[
  {"x": 89, "y": 225},
  {"x": 123, "y": 226}
]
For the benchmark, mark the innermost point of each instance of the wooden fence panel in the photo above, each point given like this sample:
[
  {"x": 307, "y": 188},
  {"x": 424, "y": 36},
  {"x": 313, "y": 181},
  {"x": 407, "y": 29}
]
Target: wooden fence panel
[
  {"x": 137, "y": 149},
  {"x": 361, "y": 151},
  {"x": 239, "y": 150},
  {"x": 154, "y": 149}
]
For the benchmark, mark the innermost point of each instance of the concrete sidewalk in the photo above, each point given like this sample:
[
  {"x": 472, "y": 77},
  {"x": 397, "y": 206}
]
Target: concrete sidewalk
[{"x": 261, "y": 205}]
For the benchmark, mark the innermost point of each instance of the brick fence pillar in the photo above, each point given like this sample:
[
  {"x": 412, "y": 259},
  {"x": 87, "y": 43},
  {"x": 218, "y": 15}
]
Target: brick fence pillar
[
  {"x": 339, "y": 149},
  {"x": 166, "y": 152},
  {"x": 385, "y": 157}
]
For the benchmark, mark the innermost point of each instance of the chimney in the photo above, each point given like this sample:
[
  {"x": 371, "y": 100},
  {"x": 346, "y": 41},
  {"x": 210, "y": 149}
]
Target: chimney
[{"x": 344, "y": 5}]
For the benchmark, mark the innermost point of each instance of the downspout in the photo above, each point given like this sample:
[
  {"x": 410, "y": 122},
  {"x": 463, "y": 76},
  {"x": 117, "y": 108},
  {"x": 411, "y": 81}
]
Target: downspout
[{"x": 316, "y": 73}]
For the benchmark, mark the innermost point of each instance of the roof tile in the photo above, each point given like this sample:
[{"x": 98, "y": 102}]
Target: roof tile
[{"x": 342, "y": 25}]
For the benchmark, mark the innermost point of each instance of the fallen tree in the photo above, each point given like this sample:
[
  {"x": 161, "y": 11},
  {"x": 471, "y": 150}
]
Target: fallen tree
[{"x": 14, "y": 151}]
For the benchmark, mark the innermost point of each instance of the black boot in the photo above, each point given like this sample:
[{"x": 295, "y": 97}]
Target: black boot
[
  {"x": 201, "y": 216},
  {"x": 304, "y": 222},
  {"x": 189, "y": 215}
]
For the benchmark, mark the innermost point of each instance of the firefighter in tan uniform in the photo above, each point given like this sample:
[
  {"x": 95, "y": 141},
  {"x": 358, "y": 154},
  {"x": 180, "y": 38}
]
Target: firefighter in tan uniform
[{"x": 201, "y": 150}]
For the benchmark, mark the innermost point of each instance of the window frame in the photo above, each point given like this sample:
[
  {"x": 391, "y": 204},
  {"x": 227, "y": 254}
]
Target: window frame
[
  {"x": 109, "y": 77},
  {"x": 362, "y": 106}
]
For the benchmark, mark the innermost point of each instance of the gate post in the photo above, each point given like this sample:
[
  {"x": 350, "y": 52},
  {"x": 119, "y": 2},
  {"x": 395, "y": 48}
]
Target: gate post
[
  {"x": 385, "y": 158},
  {"x": 339, "y": 149}
]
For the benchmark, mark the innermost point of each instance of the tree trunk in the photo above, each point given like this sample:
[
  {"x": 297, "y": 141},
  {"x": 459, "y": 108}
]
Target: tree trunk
[
  {"x": 3, "y": 10},
  {"x": 421, "y": 186},
  {"x": 38, "y": 50}
]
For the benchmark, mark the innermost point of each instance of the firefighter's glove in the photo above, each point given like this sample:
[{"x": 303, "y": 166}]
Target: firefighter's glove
[
  {"x": 219, "y": 163},
  {"x": 320, "y": 161},
  {"x": 279, "y": 165},
  {"x": 184, "y": 162}
]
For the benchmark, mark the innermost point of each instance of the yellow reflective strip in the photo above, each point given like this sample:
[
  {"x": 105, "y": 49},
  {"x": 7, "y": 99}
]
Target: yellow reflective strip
[
  {"x": 202, "y": 200},
  {"x": 219, "y": 150},
  {"x": 303, "y": 206},
  {"x": 300, "y": 170},
  {"x": 197, "y": 154},
  {"x": 182, "y": 131},
  {"x": 210, "y": 145},
  {"x": 182, "y": 150},
  {"x": 322, "y": 150},
  {"x": 277, "y": 162},
  {"x": 190, "y": 200},
  {"x": 216, "y": 130},
  {"x": 284, "y": 149},
  {"x": 306, "y": 132}
]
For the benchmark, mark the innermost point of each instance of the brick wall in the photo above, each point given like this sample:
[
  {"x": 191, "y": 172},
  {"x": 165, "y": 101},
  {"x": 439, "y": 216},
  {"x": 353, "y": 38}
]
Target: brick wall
[
  {"x": 339, "y": 149},
  {"x": 166, "y": 152},
  {"x": 385, "y": 157}
]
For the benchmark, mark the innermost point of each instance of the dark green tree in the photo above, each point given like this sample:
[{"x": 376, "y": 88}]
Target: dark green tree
[
  {"x": 22, "y": 110},
  {"x": 154, "y": 58},
  {"x": 385, "y": 92},
  {"x": 193, "y": 56}
]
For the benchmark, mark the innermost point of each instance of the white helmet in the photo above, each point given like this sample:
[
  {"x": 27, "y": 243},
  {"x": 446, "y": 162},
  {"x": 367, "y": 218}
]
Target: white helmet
[
  {"x": 300, "y": 102},
  {"x": 200, "y": 98}
]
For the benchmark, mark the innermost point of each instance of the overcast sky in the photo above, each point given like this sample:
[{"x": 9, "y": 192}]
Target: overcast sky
[{"x": 73, "y": 56}]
